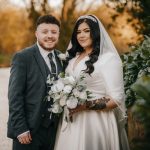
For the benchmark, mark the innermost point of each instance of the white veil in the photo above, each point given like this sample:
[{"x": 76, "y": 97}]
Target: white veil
[{"x": 107, "y": 46}]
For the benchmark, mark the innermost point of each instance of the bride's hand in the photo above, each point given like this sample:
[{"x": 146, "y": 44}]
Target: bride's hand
[
  {"x": 77, "y": 109},
  {"x": 97, "y": 105}
]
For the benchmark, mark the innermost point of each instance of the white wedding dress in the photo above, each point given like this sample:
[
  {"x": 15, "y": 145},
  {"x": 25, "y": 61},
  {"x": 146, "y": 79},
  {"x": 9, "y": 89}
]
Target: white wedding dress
[{"x": 95, "y": 130}]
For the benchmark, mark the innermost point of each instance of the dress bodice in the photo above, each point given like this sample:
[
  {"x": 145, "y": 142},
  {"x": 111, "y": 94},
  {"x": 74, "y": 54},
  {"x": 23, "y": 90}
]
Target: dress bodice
[{"x": 100, "y": 82}]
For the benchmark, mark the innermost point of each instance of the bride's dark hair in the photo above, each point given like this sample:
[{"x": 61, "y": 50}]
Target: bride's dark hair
[{"x": 95, "y": 35}]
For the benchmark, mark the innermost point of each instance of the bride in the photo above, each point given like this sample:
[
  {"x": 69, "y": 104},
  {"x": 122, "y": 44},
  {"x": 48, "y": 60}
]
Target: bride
[{"x": 100, "y": 125}]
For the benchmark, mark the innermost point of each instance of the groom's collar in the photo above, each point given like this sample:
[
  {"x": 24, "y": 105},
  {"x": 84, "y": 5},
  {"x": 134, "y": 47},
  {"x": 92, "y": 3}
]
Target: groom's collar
[{"x": 43, "y": 52}]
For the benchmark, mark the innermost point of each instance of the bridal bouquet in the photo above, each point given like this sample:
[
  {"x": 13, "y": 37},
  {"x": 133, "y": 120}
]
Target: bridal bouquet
[{"x": 67, "y": 91}]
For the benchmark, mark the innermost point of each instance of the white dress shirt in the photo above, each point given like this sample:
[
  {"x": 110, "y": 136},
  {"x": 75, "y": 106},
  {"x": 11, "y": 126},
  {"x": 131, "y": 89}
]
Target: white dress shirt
[{"x": 44, "y": 54}]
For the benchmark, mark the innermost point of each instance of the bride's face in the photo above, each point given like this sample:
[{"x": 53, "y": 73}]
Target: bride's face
[{"x": 84, "y": 36}]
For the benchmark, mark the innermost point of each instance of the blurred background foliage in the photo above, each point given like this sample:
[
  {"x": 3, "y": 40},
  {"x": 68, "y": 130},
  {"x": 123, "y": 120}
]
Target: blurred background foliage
[
  {"x": 136, "y": 65},
  {"x": 128, "y": 24},
  {"x": 137, "y": 74},
  {"x": 18, "y": 22},
  {"x": 141, "y": 111},
  {"x": 137, "y": 91}
]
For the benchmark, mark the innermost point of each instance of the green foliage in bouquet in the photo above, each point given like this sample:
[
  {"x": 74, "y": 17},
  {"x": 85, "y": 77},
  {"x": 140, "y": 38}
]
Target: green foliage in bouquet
[
  {"x": 141, "y": 109},
  {"x": 136, "y": 65}
]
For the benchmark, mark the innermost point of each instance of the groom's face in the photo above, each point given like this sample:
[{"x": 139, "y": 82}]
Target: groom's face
[{"x": 47, "y": 35}]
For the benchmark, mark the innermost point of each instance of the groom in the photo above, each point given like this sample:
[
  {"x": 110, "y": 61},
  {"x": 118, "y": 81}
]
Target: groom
[{"x": 29, "y": 124}]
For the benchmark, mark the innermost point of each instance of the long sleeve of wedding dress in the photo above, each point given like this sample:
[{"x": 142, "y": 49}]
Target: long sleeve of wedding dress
[{"x": 112, "y": 73}]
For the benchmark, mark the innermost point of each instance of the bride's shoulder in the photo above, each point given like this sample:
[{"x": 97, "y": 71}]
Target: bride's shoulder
[{"x": 108, "y": 58}]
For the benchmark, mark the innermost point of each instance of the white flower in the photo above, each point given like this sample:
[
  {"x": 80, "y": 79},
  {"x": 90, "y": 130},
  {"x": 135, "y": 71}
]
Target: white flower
[
  {"x": 69, "y": 80},
  {"x": 76, "y": 93},
  {"x": 49, "y": 80},
  {"x": 57, "y": 87},
  {"x": 67, "y": 89},
  {"x": 48, "y": 98},
  {"x": 56, "y": 108},
  {"x": 62, "y": 101},
  {"x": 72, "y": 102},
  {"x": 57, "y": 96},
  {"x": 50, "y": 93},
  {"x": 83, "y": 95},
  {"x": 62, "y": 56}
]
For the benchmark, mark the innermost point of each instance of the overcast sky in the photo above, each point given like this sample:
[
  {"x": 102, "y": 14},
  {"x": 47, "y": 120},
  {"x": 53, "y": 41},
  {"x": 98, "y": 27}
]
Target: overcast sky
[{"x": 53, "y": 3}]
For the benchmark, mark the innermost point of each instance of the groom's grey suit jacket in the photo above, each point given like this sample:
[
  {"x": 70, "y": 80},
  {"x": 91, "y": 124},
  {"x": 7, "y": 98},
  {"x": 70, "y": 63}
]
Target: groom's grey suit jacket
[{"x": 27, "y": 90}]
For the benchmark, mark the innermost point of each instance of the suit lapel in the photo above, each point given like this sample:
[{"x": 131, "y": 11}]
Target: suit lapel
[{"x": 40, "y": 61}]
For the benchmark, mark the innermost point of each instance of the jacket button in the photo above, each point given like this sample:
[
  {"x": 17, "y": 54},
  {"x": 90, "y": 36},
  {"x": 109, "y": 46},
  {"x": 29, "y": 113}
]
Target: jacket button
[{"x": 43, "y": 115}]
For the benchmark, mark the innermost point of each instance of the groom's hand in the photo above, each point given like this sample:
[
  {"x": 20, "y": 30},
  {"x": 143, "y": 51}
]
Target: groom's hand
[{"x": 25, "y": 138}]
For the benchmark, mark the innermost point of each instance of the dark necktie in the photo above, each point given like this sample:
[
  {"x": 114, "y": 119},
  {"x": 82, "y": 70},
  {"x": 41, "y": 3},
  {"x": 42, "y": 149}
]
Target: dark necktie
[{"x": 53, "y": 66}]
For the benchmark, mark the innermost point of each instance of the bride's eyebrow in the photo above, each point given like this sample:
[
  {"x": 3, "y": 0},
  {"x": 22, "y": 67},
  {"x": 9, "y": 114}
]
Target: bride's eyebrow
[{"x": 83, "y": 29}]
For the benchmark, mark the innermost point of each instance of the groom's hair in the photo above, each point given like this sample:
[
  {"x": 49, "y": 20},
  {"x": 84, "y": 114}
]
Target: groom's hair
[{"x": 48, "y": 19}]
